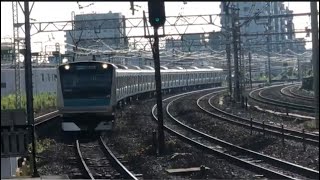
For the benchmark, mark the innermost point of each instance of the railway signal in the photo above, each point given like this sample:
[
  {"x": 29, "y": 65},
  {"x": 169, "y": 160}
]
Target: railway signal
[{"x": 157, "y": 16}]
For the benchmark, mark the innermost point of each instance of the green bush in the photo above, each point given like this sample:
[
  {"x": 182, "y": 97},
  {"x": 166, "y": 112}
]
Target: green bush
[{"x": 40, "y": 101}]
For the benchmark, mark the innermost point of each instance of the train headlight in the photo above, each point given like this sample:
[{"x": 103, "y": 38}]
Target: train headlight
[
  {"x": 104, "y": 66},
  {"x": 67, "y": 67}
]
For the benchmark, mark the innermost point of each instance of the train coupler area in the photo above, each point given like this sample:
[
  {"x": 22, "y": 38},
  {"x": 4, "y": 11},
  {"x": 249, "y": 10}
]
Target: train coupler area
[{"x": 87, "y": 122}]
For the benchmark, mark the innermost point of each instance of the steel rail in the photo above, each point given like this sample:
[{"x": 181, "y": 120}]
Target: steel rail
[
  {"x": 274, "y": 161},
  {"x": 301, "y": 96},
  {"x": 232, "y": 159},
  {"x": 114, "y": 160},
  {"x": 279, "y": 103},
  {"x": 258, "y": 126},
  {"x": 85, "y": 166},
  {"x": 46, "y": 117}
]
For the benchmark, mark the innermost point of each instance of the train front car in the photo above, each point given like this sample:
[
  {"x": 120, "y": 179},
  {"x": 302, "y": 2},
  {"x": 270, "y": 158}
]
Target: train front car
[{"x": 86, "y": 96}]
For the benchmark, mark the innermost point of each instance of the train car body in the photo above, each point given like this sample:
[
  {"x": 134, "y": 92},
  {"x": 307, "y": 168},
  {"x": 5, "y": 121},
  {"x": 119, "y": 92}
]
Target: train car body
[
  {"x": 86, "y": 96},
  {"x": 44, "y": 80},
  {"x": 89, "y": 91}
]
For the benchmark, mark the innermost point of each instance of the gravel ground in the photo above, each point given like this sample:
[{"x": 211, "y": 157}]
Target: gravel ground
[
  {"x": 222, "y": 101},
  {"x": 132, "y": 138},
  {"x": 292, "y": 151}
]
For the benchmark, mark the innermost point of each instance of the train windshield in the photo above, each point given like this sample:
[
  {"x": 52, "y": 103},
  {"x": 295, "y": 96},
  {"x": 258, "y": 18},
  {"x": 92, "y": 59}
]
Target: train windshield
[{"x": 85, "y": 82}]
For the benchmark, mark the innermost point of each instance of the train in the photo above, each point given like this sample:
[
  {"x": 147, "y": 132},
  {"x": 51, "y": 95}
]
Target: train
[
  {"x": 44, "y": 80},
  {"x": 88, "y": 92}
]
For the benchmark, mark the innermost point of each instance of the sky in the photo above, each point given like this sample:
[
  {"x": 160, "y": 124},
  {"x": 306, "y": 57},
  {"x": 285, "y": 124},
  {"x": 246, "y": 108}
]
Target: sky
[{"x": 60, "y": 11}]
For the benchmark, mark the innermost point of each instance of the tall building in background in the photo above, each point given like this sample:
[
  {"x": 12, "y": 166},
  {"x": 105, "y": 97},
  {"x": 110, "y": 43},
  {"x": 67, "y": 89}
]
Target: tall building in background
[
  {"x": 279, "y": 42},
  {"x": 93, "y": 30}
]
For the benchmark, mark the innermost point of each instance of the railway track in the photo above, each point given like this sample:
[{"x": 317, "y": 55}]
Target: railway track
[
  {"x": 98, "y": 162},
  {"x": 261, "y": 164},
  {"x": 299, "y": 136},
  {"x": 288, "y": 91},
  {"x": 46, "y": 117},
  {"x": 256, "y": 95}
]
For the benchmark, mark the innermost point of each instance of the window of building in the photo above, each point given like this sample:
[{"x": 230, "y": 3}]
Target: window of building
[
  {"x": 48, "y": 77},
  {"x": 3, "y": 85},
  {"x": 42, "y": 77}
]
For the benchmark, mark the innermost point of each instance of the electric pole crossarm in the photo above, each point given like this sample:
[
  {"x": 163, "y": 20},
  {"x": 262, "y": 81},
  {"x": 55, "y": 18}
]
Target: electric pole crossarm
[
  {"x": 171, "y": 21},
  {"x": 271, "y": 33},
  {"x": 277, "y": 16}
]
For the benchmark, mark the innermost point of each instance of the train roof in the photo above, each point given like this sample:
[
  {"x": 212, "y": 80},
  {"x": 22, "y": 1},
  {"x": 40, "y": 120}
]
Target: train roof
[
  {"x": 131, "y": 68},
  {"x": 169, "y": 70},
  {"x": 79, "y": 62},
  {"x": 119, "y": 66},
  {"x": 147, "y": 67},
  {"x": 163, "y": 67}
]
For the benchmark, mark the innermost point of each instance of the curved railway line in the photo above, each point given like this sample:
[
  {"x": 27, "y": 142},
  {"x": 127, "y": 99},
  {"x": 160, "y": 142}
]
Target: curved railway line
[
  {"x": 303, "y": 137},
  {"x": 268, "y": 166},
  {"x": 288, "y": 91},
  {"x": 256, "y": 95},
  {"x": 102, "y": 164}
]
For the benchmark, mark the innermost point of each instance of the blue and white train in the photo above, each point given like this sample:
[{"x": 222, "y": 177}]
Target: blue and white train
[{"x": 88, "y": 92}]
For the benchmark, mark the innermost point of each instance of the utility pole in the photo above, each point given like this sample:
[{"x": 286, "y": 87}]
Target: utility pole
[
  {"x": 227, "y": 20},
  {"x": 243, "y": 72},
  {"x": 235, "y": 35},
  {"x": 299, "y": 68},
  {"x": 15, "y": 54},
  {"x": 315, "y": 57},
  {"x": 269, "y": 49},
  {"x": 250, "y": 70},
  {"x": 157, "y": 18},
  {"x": 29, "y": 88},
  {"x": 156, "y": 58}
]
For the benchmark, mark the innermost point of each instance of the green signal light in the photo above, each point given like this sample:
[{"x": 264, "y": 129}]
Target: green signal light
[{"x": 157, "y": 19}]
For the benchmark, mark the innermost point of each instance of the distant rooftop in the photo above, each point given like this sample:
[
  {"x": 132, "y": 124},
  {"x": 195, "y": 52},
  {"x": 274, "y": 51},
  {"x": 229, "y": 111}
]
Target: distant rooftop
[{"x": 6, "y": 46}]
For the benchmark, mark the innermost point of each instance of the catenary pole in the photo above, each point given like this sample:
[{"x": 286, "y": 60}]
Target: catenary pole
[
  {"x": 156, "y": 58},
  {"x": 29, "y": 88},
  {"x": 315, "y": 57}
]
